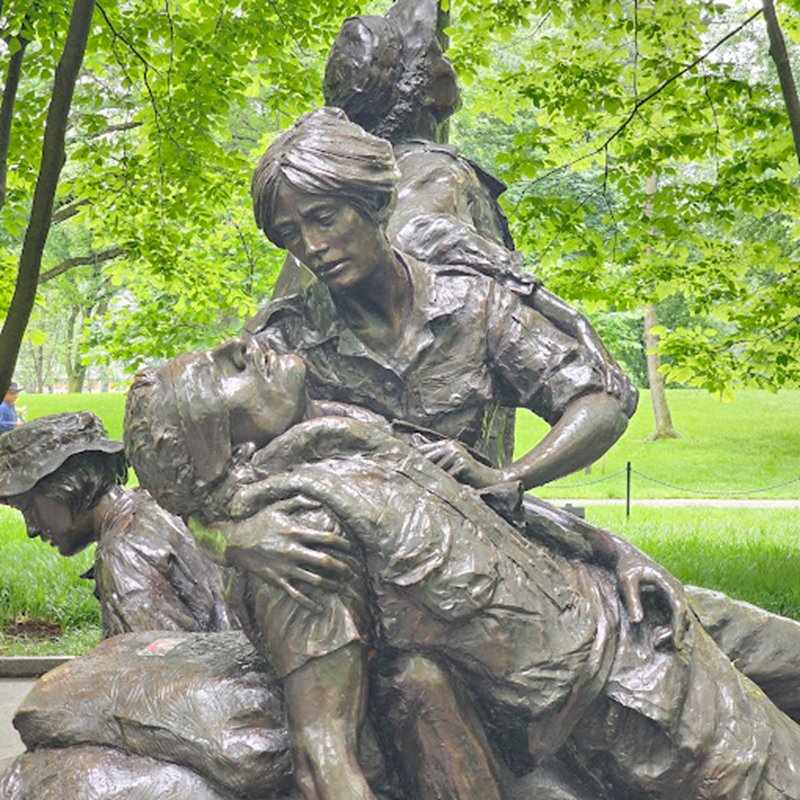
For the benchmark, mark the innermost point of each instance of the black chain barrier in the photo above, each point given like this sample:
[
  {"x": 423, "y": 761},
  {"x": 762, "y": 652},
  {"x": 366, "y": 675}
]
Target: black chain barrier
[
  {"x": 589, "y": 483},
  {"x": 629, "y": 471},
  {"x": 716, "y": 494}
]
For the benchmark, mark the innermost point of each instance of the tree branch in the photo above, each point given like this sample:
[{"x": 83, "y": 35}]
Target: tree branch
[
  {"x": 777, "y": 50},
  {"x": 53, "y": 157},
  {"x": 80, "y": 261},
  {"x": 286, "y": 27},
  {"x": 646, "y": 99},
  {"x": 67, "y": 211},
  {"x": 117, "y": 35},
  {"x": 146, "y": 75},
  {"x": 161, "y": 123},
  {"x": 122, "y": 126},
  {"x": 7, "y": 111}
]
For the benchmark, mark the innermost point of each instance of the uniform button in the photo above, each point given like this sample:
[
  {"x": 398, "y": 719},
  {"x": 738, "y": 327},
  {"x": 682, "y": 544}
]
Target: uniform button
[{"x": 388, "y": 386}]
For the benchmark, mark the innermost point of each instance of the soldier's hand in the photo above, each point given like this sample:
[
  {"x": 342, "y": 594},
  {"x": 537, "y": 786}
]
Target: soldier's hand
[
  {"x": 289, "y": 545},
  {"x": 638, "y": 575}
]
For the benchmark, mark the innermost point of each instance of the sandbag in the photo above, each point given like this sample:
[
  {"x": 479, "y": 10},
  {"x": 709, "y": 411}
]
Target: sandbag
[
  {"x": 100, "y": 773},
  {"x": 205, "y": 701},
  {"x": 763, "y": 646}
]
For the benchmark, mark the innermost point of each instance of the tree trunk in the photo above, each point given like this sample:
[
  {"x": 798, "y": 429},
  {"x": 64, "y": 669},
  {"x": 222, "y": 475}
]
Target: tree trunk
[
  {"x": 76, "y": 378},
  {"x": 76, "y": 371},
  {"x": 658, "y": 393},
  {"x": 7, "y": 112},
  {"x": 37, "y": 353},
  {"x": 53, "y": 156},
  {"x": 777, "y": 50},
  {"x": 442, "y": 22}
]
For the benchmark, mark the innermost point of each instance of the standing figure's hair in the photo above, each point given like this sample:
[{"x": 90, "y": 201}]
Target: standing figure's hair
[{"x": 389, "y": 73}]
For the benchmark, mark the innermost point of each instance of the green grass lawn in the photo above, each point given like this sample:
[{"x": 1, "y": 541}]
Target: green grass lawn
[
  {"x": 750, "y": 554},
  {"x": 748, "y": 443},
  {"x": 109, "y": 406},
  {"x": 37, "y": 584}
]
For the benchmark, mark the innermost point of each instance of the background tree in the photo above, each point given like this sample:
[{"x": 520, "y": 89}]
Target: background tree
[
  {"x": 52, "y": 160},
  {"x": 172, "y": 105},
  {"x": 594, "y": 98},
  {"x": 577, "y": 104}
]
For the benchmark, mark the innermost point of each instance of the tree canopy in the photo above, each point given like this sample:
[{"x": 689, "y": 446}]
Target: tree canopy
[
  {"x": 174, "y": 102},
  {"x": 598, "y": 99},
  {"x": 577, "y": 104}
]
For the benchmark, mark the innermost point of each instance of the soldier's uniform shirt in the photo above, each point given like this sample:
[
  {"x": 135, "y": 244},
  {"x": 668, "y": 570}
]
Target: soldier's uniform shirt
[
  {"x": 150, "y": 574},
  {"x": 540, "y": 638}
]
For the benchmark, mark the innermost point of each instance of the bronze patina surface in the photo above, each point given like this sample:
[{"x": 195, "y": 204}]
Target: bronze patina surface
[{"x": 417, "y": 627}]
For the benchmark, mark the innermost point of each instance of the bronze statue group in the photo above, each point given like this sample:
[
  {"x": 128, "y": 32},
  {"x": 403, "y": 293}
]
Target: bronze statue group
[{"x": 343, "y": 466}]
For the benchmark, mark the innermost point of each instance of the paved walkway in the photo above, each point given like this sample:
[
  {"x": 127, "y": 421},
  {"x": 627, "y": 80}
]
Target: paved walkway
[
  {"x": 17, "y": 676},
  {"x": 678, "y": 502},
  {"x": 12, "y": 692}
]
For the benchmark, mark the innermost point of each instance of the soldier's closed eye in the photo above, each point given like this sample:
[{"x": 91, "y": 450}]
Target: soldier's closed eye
[{"x": 238, "y": 355}]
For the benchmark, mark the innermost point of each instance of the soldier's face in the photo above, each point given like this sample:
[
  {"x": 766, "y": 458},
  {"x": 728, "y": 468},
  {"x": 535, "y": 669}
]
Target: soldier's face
[
  {"x": 262, "y": 391},
  {"x": 53, "y": 521}
]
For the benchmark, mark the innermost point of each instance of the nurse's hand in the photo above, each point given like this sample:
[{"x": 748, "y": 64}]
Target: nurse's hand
[{"x": 455, "y": 459}]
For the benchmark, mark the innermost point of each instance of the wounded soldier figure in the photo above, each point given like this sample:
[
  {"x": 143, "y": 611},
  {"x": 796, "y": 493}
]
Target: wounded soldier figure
[{"x": 398, "y": 559}]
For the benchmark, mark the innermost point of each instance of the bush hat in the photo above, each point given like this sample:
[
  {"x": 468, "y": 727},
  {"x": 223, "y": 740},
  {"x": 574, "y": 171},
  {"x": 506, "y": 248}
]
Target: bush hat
[{"x": 37, "y": 449}]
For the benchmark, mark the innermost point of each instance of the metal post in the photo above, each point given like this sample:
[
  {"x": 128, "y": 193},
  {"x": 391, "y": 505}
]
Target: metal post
[{"x": 628, "y": 490}]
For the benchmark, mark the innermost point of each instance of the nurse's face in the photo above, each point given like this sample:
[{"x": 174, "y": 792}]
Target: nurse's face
[
  {"x": 332, "y": 237},
  {"x": 262, "y": 391}
]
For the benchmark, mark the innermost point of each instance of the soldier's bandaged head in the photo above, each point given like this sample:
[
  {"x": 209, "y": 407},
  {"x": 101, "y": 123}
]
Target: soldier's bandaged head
[{"x": 177, "y": 430}]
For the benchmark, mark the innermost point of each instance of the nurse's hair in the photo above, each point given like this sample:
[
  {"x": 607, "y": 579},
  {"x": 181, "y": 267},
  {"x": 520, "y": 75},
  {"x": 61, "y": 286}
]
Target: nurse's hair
[{"x": 325, "y": 154}]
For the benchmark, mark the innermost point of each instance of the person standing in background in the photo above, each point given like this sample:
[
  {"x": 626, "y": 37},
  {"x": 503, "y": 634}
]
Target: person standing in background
[{"x": 9, "y": 419}]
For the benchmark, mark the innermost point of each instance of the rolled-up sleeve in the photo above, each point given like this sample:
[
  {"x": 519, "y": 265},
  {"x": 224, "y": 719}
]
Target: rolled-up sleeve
[{"x": 536, "y": 365}]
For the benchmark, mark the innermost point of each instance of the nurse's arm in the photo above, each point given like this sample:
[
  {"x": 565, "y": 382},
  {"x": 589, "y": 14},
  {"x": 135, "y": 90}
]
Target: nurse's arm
[{"x": 588, "y": 427}]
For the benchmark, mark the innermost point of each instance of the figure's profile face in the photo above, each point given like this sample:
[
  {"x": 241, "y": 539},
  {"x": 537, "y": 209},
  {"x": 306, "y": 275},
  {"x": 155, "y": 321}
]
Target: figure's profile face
[
  {"x": 333, "y": 238},
  {"x": 52, "y": 521},
  {"x": 262, "y": 391}
]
